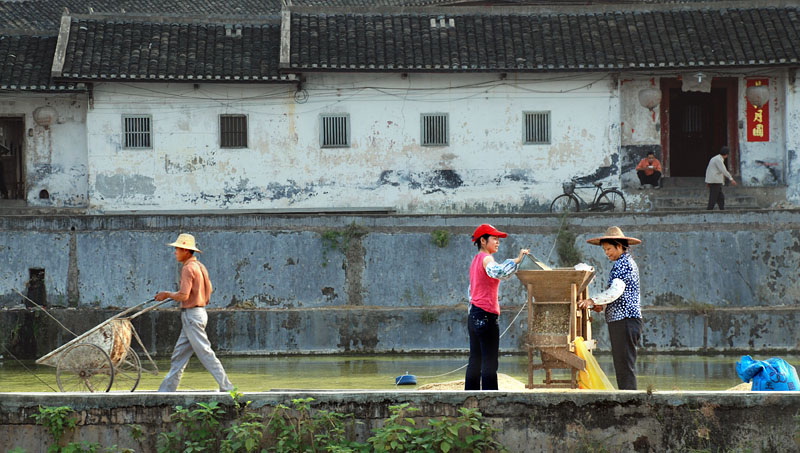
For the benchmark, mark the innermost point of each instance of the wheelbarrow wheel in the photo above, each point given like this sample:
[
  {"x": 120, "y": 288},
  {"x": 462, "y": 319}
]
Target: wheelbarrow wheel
[
  {"x": 127, "y": 372},
  {"x": 84, "y": 367}
]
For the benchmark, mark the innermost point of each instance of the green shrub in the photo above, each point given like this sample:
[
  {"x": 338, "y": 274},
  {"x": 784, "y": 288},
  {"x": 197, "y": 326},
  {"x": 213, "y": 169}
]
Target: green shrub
[
  {"x": 440, "y": 238},
  {"x": 568, "y": 253},
  {"x": 207, "y": 427}
]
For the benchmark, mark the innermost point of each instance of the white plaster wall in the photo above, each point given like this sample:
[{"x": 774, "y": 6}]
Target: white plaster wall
[
  {"x": 764, "y": 163},
  {"x": 488, "y": 169},
  {"x": 640, "y": 131},
  {"x": 55, "y": 157},
  {"x": 790, "y": 123},
  {"x": 638, "y": 125}
]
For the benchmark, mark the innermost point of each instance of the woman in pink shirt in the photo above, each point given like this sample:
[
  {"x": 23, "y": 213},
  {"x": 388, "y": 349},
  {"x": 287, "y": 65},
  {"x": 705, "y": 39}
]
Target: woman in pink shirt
[{"x": 484, "y": 333}]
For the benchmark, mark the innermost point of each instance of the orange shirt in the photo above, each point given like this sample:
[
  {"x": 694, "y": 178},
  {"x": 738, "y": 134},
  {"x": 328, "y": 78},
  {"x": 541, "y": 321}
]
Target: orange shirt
[
  {"x": 643, "y": 164},
  {"x": 195, "y": 285}
]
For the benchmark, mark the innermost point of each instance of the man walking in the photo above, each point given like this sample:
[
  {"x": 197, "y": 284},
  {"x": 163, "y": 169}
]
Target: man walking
[
  {"x": 193, "y": 295},
  {"x": 716, "y": 173}
]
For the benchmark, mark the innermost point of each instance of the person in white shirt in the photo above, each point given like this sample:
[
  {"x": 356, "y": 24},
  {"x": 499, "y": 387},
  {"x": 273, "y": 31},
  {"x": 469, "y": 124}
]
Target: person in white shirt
[{"x": 716, "y": 174}]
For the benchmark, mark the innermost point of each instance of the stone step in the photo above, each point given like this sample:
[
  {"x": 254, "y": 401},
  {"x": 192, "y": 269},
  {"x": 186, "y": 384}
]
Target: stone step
[
  {"x": 670, "y": 204},
  {"x": 20, "y": 208}
]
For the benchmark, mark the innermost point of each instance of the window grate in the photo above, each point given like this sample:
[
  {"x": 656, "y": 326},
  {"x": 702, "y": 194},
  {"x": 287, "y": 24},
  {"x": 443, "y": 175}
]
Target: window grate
[
  {"x": 537, "y": 128},
  {"x": 335, "y": 131},
  {"x": 434, "y": 127},
  {"x": 233, "y": 131},
  {"x": 137, "y": 131}
]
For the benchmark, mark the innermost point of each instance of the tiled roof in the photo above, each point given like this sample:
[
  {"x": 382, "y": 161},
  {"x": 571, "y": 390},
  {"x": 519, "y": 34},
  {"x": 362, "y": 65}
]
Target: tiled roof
[
  {"x": 468, "y": 39},
  {"x": 26, "y": 63},
  {"x": 46, "y": 14},
  {"x": 108, "y": 49}
]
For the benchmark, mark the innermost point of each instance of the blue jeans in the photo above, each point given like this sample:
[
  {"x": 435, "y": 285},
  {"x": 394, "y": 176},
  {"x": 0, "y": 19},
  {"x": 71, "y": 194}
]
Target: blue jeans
[{"x": 484, "y": 347}]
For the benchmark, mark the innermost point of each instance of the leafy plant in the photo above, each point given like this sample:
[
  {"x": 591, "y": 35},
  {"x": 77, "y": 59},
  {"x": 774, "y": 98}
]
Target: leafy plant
[
  {"x": 340, "y": 240},
  {"x": 568, "y": 253},
  {"x": 247, "y": 432},
  {"x": 468, "y": 432},
  {"x": 137, "y": 432},
  {"x": 296, "y": 430},
  {"x": 428, "y": 317},
  {"x": 244, "y": 436},
  {"x": 82, "y": 447},
  {"x": 398, "y": 432},
  {"x": 56, "y": 420},
  {"x": 440, "y": 238},
  {"x": 207, "y": 427},
  {"x": 197, "y": 430}
]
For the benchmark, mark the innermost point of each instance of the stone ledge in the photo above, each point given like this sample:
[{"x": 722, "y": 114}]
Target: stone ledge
[{"x": 540, "y": 421}]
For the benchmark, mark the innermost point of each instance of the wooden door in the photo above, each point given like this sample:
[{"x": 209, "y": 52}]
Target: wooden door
[{"x": 695, "y": 125}]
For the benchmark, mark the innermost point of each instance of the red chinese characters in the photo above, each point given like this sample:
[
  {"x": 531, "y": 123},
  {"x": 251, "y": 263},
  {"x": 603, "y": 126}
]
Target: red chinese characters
[{"x": 758, "y": 117}]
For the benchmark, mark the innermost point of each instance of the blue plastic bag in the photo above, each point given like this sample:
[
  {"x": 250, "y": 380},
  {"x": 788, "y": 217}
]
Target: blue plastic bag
[{"x": 773, "y": 374}]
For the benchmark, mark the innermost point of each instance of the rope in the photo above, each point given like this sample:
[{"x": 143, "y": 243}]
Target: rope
[
  {"x": 45, "y": 312},
  {"x": 524, "y": 305},
  {"x": 560, "y": 227},
  {"x": 28, "y": 369},
  {"x": 465, "y": 365},
  {"x": 154, "y": 371}
]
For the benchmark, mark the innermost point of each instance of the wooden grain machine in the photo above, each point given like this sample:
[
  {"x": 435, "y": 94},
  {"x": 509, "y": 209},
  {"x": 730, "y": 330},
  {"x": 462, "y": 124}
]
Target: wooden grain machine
[{"x": 554, "y": 321}]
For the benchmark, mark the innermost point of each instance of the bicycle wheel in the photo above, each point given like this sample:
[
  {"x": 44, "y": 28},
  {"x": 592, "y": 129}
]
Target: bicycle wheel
[
  {"x": 564, "y": 203},
  {"x": 610, "y": 200}
]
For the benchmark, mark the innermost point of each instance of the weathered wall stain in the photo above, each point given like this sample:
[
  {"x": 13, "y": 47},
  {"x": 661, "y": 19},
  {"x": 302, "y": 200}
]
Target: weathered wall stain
[
  {"x": 124, "y": 186},
  {"x": 429, "y": 182},
  {"x": 601, "y": 173}
]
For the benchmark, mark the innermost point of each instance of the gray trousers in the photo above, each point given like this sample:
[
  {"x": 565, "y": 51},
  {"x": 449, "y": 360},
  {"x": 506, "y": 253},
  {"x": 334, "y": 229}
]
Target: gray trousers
[{"x": 193, "y": 340}]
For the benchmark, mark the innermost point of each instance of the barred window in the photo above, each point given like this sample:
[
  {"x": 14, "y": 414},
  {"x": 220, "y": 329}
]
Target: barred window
[
  {"x": 537, "y": 128},
  {"x": 334, "y": 131},
  {"x": 137, "y": 131},
  {"x": 233, "y": 131},
  {"x": 434, "y": 127}
]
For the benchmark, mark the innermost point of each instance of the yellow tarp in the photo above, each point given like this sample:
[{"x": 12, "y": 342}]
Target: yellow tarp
[{"x": 593, "y": 378}]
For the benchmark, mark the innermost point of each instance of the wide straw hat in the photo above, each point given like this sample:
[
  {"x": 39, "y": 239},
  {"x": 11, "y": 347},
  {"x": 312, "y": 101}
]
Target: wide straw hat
[
  {"x": 487, "y": 229},
  {"x": 614, "y": 232},
  {"x": 185, "y": 241}
]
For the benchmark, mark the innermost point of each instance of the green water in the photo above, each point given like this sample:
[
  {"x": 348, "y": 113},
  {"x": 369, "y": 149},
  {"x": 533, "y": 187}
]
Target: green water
[{"x": 377, "y": 372}]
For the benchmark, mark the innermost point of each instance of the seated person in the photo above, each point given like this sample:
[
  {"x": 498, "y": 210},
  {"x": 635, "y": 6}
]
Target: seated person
[{"x": 649, "y": 171}]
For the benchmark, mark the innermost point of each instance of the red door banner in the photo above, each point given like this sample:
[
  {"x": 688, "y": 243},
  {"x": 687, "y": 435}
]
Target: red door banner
[{"x": 758, "y": 117}]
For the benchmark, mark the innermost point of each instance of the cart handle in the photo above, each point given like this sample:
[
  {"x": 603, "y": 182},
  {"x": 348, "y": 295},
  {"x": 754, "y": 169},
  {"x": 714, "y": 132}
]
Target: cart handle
[{"x": 150, "y": 308}]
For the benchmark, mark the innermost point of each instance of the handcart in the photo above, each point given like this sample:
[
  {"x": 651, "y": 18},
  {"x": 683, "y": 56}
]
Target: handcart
[
  {"x": 101, "y": 359},
  {"x": 555, "y": 321}
]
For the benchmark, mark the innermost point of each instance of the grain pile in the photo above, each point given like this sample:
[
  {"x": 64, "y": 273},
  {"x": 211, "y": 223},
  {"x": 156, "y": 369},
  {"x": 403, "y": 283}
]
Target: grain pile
[{"x": 504, "y": 383}]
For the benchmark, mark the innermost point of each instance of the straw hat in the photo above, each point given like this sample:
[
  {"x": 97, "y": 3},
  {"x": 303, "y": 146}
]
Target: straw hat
[
  {"x": 185, "y": 241},
  {"x": 614, "y": 232}
]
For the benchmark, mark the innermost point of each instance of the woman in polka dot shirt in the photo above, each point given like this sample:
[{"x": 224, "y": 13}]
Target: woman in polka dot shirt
[{"x": 621, "y": 300}]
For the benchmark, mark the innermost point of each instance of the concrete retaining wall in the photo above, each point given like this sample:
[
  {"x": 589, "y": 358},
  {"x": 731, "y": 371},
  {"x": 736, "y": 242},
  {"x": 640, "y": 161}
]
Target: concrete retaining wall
[
  {"x": 716, "y": 281},
  {"x": 530, "y": 422},
  {"x": 384, "y": 330}
]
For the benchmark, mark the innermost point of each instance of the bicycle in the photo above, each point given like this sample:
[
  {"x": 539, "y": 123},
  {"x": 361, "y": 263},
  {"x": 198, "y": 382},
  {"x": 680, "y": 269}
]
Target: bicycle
[{"x": 605, "y": 200}]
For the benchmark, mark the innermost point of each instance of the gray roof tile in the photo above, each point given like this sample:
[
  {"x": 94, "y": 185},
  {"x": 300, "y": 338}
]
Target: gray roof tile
[
  {"x": 26, "y": 63},
  {"x": 535, "y": 40},
  {"x": 46, "y": 14},
  {"x": 110, "y": 49}
]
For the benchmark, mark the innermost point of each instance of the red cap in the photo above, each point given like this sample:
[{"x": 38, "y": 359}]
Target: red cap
[{"x": 487, "y": 229}]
